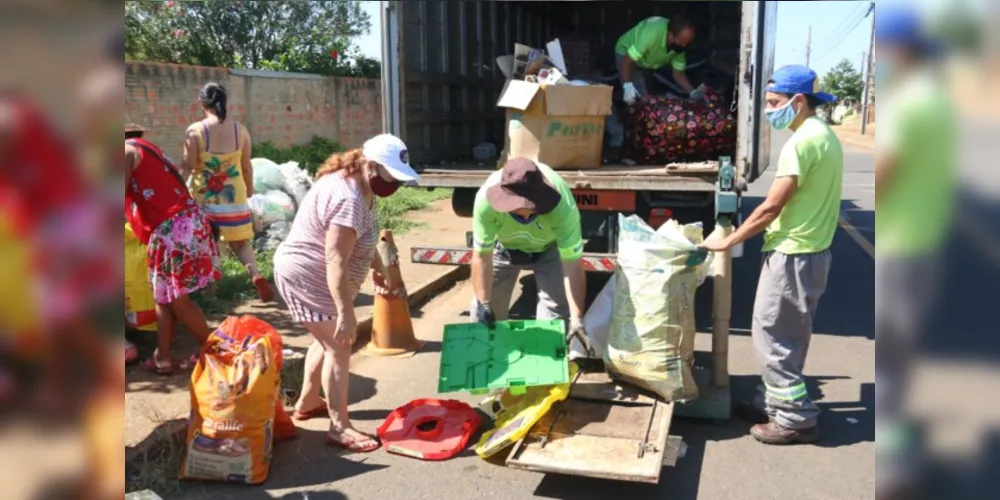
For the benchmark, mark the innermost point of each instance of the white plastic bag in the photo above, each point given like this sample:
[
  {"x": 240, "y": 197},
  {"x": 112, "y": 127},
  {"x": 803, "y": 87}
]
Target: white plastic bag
[
  {"x": 651, "y": 339},
  {"x": 597, "y": 322},
  {"x": 271, "y": 207},
  {"x": 266, "y": 175},
  {"x": 295, "y": 181}
]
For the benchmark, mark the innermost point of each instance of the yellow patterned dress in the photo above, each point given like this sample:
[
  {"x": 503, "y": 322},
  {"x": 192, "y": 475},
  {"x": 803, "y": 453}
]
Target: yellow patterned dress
[{"x": 218, "y": 185}]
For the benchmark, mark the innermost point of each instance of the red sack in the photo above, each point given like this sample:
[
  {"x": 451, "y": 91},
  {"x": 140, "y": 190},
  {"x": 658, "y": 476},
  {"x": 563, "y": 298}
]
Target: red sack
[{"x": 668, "y": 130}]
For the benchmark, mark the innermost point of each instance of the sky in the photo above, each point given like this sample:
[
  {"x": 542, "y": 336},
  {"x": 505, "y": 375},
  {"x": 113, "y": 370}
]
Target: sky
[{"x": 832, "y": 36}]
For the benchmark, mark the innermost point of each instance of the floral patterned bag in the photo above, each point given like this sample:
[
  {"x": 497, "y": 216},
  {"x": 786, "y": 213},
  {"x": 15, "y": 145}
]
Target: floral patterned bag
[{"x": 668, "y": 130}]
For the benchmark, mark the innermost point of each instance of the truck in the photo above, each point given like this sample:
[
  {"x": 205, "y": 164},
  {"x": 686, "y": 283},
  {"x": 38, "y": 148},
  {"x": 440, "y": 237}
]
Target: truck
[{"x": 440, "y": 86}]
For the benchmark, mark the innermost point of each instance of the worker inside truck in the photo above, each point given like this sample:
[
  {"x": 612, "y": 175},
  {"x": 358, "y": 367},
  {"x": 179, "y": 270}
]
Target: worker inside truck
[
  {"x": 525, "y": 218},
  {"x": 650, "y": 45}
]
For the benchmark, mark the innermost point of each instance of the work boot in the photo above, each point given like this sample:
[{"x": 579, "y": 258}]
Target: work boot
[
  {"x": 750, "y": 413},
  {"x": 772, "y": 433}
]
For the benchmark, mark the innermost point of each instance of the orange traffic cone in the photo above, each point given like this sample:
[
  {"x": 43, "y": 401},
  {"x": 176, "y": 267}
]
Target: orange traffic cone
[{"x": 392, "y": 327}]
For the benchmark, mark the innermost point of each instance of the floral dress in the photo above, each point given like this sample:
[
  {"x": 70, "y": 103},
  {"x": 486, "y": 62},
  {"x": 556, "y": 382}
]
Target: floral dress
[{"x": 219, "y": 188}]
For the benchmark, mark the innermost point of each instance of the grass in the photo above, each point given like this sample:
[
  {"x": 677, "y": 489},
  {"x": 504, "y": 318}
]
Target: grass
[
  {"x": 235, "y": 285},
  {"x": 392, "y": 211}
]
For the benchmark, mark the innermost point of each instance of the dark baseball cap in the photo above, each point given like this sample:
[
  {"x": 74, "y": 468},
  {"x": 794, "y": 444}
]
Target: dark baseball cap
[{"x": 523, "y": 186}]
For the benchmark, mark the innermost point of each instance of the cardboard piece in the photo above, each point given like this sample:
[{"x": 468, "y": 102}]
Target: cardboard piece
[
  {"x": 554, "y": 48},
  {"x": 559, "y": 125}
]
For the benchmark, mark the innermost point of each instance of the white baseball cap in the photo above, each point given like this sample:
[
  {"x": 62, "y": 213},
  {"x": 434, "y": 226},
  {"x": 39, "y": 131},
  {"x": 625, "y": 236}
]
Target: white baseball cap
[{"x": 390, "y": 152}]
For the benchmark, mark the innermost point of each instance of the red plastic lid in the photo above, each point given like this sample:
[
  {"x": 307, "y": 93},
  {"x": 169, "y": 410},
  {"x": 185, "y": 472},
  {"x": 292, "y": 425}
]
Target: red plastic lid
[{"x": 429, "y": 429}]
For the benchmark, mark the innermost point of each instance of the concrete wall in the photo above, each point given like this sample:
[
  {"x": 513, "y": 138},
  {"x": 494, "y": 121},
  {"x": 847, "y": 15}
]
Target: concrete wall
[{"x": 283, "y": 108}]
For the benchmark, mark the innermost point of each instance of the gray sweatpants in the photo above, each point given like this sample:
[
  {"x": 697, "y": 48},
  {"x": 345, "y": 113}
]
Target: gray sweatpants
[
  {"x": 787, "y": 297},
  {"x": 905, "y": 288},
  {"x": 547, "y": 267},
  {"x": 615, "y": 122}
]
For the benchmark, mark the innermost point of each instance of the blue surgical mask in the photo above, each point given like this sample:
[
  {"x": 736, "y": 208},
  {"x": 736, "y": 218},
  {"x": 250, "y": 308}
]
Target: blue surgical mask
[
  {"x": 524, "y": 220},
  {"x": 781, "y": 118}
]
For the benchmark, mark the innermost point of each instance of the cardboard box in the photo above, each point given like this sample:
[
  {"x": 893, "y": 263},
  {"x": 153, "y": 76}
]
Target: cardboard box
[{"x": 559, "y": 125}]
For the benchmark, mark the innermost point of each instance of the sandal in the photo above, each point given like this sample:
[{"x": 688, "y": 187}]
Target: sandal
[
  {"x": 264, "y": 290},
  {"x": 317, "y": 412},
  {"x": 363, "y": 444},
  {"x": 131, "y": 353},
  {"x": 151, "y": 366}
]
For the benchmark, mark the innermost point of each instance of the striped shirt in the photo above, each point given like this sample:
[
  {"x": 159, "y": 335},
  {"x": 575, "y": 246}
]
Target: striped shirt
[{"x": 300, "y": 261}]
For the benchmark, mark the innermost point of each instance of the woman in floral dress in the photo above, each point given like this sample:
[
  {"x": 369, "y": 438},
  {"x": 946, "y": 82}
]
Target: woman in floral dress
[
  {"x": 217, "y": 163},
  {"x": 183, "y": 258}
]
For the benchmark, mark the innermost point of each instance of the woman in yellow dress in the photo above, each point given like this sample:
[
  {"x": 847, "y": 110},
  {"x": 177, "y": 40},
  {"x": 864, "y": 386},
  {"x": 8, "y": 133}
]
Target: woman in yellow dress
[{"x": 217, "y": 162}]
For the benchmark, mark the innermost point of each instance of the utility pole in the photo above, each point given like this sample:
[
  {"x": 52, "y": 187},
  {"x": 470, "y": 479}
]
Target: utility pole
[
  {"x": 809, "y": 43},
  {"x": 869, "y": 80},
  {"x": 864, "y": 72}
]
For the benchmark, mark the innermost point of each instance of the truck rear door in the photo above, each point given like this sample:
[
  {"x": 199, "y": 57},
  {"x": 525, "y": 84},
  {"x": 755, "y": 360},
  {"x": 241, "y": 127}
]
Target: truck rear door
[{"x": 757, "y": 64}]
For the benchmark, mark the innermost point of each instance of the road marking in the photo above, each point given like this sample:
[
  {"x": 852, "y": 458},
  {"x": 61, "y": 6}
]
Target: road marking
[{"x": 853, "y": 232}]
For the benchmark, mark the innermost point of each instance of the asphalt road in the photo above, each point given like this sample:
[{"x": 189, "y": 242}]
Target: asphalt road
[{"x": 722, "y": 461}]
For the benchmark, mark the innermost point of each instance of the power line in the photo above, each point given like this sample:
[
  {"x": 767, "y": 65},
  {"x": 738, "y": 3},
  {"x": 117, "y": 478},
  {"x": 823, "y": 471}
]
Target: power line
[
  {"x": 832, "y": 37},
  {"x": 829, "y": 51},
  {"x": 849, "y": 25}
]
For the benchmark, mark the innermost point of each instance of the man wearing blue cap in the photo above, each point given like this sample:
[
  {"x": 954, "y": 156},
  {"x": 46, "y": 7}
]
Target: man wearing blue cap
[
  {"x": 800, "y": 217},
  {"x": 915, "y": 159}
]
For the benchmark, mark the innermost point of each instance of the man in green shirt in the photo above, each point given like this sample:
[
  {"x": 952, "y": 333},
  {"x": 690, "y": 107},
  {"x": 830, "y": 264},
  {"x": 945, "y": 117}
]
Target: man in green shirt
[
  {"x": 525, "y": 218},
  {"x": 800, "y": 216},
  {"x": 654, "y": 43},
  {"x": 915, "y": 178}
]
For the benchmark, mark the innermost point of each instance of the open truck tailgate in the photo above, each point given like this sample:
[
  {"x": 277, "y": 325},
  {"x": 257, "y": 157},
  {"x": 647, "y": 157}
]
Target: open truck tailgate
[{"x": 603, "y": 430}]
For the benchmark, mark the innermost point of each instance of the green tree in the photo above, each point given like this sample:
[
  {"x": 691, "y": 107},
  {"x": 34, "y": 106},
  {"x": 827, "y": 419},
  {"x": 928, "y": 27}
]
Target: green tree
[
  {"x": 844, "y": 81},
  {"x": 290, "y": 35}
]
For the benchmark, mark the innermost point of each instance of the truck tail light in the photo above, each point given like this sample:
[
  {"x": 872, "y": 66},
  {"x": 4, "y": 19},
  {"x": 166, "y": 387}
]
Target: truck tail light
[{"x": 658, "y": 216}]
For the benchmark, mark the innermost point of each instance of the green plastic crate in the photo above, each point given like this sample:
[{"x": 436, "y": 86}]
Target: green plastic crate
[{"x": 515, "y": 355}]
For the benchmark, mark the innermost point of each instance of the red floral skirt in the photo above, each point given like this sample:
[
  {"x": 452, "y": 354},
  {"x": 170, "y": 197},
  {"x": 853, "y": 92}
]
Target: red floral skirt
[{"x": 183, "y": 257}]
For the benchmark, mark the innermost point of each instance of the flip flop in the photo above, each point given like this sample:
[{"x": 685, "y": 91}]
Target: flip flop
[
  {"x": 264, "y": 290},
  {"x": 356, "y": 446},
  {"x": 303, "y": 416},
  {"x": 151, "y": 366}
]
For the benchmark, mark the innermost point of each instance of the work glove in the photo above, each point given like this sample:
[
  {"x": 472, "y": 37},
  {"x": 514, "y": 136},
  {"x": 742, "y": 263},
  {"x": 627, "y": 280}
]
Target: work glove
[
  {"x": 631, "y": 94},
  {"x": 484, "y": 314},
  {"x": 577, "y": 331},
  {"x": 698, "y": 94}
]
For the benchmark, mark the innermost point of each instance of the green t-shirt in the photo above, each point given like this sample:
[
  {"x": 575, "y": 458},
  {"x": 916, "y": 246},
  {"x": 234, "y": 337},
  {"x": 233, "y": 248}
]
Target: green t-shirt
[
  {"x": 809, "y": 220},
  {"x": 646, "y": 44},
  {"x": 917, "y": 126},
  {"x": 561, "y": 226}
]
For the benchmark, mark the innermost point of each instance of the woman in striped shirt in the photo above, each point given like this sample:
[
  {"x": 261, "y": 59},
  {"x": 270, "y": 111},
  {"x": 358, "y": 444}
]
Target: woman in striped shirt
[{"x": 322, "y": 264}]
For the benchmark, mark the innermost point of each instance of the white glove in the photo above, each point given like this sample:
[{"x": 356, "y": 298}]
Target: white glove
[
  {"x": 576, "y": 330},
  {"x": 698, "y": 94},
  {"x": 630, "y": 93}
]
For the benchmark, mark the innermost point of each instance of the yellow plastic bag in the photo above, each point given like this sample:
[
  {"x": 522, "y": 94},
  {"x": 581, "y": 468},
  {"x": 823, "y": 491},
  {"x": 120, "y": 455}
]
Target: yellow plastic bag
[
  {"x": 140, "y": 308},
  {"x": 20, "y": 313},
  {"x": 519, "y": 414}
]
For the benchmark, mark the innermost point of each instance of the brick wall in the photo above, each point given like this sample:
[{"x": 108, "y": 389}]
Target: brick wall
[{"x": 283, "y": 108}]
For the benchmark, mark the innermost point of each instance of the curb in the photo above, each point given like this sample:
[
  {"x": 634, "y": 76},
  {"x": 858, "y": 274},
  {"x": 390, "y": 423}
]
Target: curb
[{"x": 178, "y": 428}]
